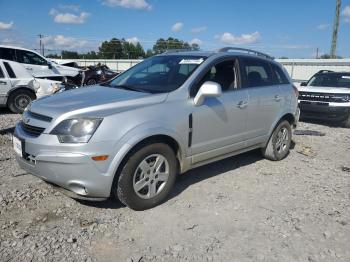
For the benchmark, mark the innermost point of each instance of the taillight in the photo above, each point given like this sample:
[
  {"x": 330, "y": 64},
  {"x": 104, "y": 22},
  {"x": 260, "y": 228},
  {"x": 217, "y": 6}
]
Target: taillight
[{"x": 296, "y": 91}]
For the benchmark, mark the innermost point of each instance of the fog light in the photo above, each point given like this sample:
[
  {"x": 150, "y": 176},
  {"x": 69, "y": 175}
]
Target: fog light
[{"x": 100, "y": 158}]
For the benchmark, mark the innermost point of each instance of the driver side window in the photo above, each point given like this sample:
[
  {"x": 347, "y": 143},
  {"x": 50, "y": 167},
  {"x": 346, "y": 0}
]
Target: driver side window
[{"x": 224, "y": 73}]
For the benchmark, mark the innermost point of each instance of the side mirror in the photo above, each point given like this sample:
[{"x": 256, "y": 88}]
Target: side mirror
[
  {"x": 49, "y": 65},
  {"x": 208, "y": 89},
  {"x": 303, "y": 84}
]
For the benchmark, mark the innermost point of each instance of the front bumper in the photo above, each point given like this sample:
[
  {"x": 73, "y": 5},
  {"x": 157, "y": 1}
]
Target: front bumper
[
  {"x": 68, "y": 166},
  {"x": 323, "y": 111}
]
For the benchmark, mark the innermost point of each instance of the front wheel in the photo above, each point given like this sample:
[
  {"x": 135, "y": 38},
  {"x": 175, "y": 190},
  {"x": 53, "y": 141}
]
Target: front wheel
[
  {"x": 19, "y": 100},
  {"x": 279, "y": 143},
  {"x": 147, "y": 177}
]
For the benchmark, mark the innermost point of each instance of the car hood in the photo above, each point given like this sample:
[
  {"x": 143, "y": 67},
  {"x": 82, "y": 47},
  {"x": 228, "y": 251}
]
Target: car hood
[
  {"x": 65, "y": 70},
  {"x": 324, "y": 89},
  {"x": 93, "y": 101}
]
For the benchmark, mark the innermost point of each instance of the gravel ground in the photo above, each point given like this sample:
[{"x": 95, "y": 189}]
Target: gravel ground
[{"x": 243, "y": 208}]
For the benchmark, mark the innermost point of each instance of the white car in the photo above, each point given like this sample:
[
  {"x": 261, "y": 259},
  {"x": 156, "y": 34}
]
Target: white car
[
  {"x": 18, "y": 87},
  {"x": 326, "y": 96},
  {"x": 41, "y": 67}
]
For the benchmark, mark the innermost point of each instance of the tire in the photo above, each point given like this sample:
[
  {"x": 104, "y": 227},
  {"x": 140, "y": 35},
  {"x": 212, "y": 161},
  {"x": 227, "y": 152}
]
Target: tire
[
  {"x": 279, "y": 143},
  {"x": 19, "y": 100},
  {"x": 140, "y": 168},
  {"x": 91, "y": 81},
  {"x": 346, "y": 123}
]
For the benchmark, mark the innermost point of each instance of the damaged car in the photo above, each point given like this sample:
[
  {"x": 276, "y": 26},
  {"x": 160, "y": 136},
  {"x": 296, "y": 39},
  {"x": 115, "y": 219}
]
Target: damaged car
[
  {"x": 41, "y": 67},
  {"x": 18, "y": 88}
]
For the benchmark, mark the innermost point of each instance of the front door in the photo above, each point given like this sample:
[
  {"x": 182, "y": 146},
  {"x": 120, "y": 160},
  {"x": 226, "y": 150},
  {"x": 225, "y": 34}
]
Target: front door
[{"x": 219, "y": 124}]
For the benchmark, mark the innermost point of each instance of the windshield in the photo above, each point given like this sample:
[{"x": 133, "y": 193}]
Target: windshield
[
  {"x": 158, "y": 74},
  {"x": 330, "y": 80}
]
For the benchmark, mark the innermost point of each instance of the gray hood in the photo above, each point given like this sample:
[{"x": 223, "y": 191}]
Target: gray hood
[{"x": 93, "y": 101}]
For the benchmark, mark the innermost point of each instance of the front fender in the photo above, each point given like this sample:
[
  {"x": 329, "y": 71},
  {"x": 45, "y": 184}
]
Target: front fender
[{"x": 139, "y": 133}]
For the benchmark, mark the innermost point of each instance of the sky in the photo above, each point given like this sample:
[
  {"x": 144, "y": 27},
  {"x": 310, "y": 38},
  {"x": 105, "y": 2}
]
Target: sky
[{"x": 282, "y": 28}]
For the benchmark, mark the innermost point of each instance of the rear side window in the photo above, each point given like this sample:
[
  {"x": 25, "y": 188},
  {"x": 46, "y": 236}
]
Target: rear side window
[
  {"x": 280, "y": 77},
  {"x": 31, "y": 58},
  {"x": 7, "y": 53},
  {"x": 9, "y": 70},
  {"x": 257, "y": 72},
  {"x": 1, "y": 73}
]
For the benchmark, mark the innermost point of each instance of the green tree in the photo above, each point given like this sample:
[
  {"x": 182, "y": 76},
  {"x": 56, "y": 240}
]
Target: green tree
[
  {"x": 172, "y": 43},
  {"x": 132, "y": 51},
  {"x": 89, "y": 55},
  {"x": 112, "y": 49},
  {"x": 69, "y": 54},
  {"x": 53, "y": 56}
]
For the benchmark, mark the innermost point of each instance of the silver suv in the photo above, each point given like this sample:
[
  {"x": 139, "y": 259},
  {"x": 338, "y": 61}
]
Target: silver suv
[{"x": 170, "y": 113}]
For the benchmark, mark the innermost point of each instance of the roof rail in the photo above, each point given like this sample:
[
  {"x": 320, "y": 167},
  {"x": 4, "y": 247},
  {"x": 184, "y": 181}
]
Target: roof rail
[
  {"x": 325, "y": 71},
  {"x": 249, "y": 51},
  {"x": 168, "y": 51}
]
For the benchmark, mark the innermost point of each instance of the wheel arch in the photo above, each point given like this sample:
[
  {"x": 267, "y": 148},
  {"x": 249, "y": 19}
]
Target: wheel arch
[
  {"x": 286, "y": 116},
  {"x": 140, "y": 142},
  {"x": 17, "y": 88}
]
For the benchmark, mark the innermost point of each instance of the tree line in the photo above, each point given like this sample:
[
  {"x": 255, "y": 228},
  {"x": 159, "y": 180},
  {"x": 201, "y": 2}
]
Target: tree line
[{"x": 122, "y": 49}]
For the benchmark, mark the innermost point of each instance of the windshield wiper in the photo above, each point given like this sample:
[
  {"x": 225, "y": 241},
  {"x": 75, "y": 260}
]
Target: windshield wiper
[{"x": 131, "y": 88}]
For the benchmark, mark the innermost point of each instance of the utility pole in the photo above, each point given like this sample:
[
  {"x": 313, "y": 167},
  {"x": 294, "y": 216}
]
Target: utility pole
[
  {"x": 317, "y": 53},
  {"x": 40, "y": 44},
  {"x": 335, "y": 29}
]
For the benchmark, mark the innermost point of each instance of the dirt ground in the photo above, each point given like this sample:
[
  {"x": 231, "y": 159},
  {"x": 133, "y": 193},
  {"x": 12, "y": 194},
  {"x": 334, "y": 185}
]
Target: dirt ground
[{"x": 244, "y": 208}]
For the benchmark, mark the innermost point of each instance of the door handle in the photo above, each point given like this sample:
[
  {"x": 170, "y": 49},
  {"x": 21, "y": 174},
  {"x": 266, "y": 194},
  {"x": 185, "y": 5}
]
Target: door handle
[
  {"x": 3, "y": 83},
  {"x": 277, "y": 98},
  {"x": 242, "y": 104},
  {"x": 29, "y": 68}
]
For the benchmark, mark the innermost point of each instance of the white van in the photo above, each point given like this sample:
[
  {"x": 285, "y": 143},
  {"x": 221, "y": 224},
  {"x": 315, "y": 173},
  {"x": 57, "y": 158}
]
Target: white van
[
  {"x": 41, "y": 67},
  {"x": 18, "y": 87}
]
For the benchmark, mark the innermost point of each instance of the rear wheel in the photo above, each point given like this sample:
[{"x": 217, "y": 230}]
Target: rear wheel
[
  {"x": 279, "y": 144},
  {"x": 147, "y": 177},
  {"x": 91, "y": 81},
  {"x": 19, "y": 100}
]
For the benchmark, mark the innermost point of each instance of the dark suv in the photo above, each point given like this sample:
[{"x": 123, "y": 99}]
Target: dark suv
[{"x": 326, "y": 96}]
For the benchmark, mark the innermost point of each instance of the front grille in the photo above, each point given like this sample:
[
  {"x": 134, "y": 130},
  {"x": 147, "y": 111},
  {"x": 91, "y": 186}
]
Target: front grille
[
  {"x": 322, "y": 97},
  {"x": 39, "y": 116},
  {"x": 32, "y": 130}
]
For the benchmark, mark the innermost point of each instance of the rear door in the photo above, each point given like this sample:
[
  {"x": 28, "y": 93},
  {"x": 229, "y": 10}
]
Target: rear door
[
  {"x": 265, "y": 98},
  {"x": 5, "y": 83}
]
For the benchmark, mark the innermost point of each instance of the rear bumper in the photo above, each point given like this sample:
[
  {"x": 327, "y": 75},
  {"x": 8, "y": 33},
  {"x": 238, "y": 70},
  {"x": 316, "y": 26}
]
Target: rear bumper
[{"x": 323, "y": 111}]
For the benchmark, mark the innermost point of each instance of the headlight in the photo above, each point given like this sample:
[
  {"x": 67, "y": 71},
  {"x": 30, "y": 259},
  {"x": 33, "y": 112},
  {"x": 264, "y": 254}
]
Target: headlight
[{"x": 76, "y": 130}]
